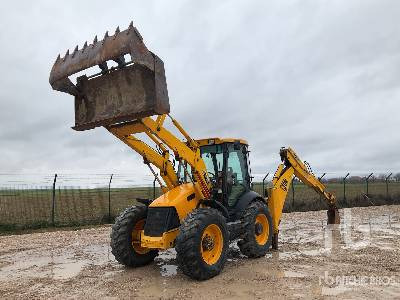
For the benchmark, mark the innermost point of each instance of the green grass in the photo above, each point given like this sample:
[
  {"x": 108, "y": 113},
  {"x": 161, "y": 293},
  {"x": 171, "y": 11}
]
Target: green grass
[
  {"x": 32, "y": 208},
  {"x": 356, "y": 195},
  {"x": 28, "y": 207}
]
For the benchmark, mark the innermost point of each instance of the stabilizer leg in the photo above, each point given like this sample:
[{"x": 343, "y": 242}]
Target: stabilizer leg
[
  {"x": 333, "y": 215},
  {"x": 275, "y": 241}
]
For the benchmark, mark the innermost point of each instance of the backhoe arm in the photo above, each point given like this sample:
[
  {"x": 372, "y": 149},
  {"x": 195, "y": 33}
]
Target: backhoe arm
[
  {"x": 290, "y": 159},
  {"x": 283, "y": 177}
]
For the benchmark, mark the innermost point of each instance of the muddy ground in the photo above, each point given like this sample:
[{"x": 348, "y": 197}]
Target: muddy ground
[{"x": 360, "y": 259}]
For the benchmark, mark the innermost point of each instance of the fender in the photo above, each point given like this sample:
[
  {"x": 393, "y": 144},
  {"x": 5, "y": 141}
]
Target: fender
[
  {"x": 216, "y": 205},
  {"x": 237, "y": 212}
]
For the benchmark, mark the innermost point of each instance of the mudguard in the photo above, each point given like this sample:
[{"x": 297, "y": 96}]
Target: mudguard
[{"x": 244, "y": 200}]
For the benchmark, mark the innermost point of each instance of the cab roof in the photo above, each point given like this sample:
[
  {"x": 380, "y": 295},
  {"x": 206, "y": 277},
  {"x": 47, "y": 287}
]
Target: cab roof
[{"x": 217, "y": 141}]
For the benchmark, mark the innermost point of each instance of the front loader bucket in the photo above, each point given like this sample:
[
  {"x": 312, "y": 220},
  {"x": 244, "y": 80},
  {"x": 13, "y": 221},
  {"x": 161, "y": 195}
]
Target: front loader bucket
[{"x": 129, "y": 91}]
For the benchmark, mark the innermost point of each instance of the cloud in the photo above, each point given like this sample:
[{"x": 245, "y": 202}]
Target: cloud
[{"x": 319, "y": 76}]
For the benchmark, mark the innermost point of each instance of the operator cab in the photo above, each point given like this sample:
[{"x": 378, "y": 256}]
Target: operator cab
[{"x": 228, "y": 168}]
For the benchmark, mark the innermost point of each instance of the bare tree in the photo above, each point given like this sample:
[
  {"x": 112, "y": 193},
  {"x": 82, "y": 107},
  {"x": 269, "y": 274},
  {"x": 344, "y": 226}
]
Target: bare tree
[
  {"x": 381, "y": 177},
  {"x": 397, "y": 176}
]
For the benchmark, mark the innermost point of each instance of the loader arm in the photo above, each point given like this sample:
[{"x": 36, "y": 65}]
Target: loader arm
[
  {"x": 283, "y": 177},
  {"x": 160, "y": 160},
  {"x": 188, "y": 151},
  {"x": 124, "y": 98}
]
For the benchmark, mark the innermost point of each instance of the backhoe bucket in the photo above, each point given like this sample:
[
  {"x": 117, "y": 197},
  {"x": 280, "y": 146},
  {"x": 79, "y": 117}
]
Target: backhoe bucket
[{"x": 129, "y": 91}]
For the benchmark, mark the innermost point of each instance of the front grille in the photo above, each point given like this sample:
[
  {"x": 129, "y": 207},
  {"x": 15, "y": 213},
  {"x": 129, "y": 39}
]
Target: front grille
[{"x": 160, "y": 220}]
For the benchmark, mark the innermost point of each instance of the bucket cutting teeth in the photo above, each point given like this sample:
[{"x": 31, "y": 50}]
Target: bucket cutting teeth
[
  {"x": 140, "y": 80},
  {"x": 125, "y": 42}
]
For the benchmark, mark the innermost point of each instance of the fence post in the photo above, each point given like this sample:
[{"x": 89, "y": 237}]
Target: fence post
[
  {"x": 263, "y": 184},
  {"x": 109, "y": 199},
  {"x": 154, "y": 188},
  {"x": 53, "y": 206},
  {"x": 344, "y": 186},
  {"x": 366, "y": 180},
  {"x": 387, "y": 185},
  {"x": 319, "y": 178}
]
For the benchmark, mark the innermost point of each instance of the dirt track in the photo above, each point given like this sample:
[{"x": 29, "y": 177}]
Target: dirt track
[{"x": 358, "y": 260}]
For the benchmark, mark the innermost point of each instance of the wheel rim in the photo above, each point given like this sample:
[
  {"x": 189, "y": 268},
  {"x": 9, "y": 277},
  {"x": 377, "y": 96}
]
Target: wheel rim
[
  {"x": 261, "y": 229},
  {"x": 136, "y": 238},
  {"x": 212, "y": 243}
]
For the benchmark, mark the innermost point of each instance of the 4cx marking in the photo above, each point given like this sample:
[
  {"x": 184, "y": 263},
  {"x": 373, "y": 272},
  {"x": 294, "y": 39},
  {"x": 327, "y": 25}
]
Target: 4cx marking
[{"x": 284, "y": 185}]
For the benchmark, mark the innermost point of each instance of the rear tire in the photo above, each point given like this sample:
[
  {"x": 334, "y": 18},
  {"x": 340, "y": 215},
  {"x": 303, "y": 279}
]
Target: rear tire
[
  {"x": 202, "y": 244},
  {"x": 125, "y": 244},
  {"x": 256, "y": 230}
]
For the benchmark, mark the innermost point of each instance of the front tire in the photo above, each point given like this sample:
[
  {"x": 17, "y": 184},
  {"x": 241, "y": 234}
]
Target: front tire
[
  {"x": 202, "y": 244},
  {"x": 256, "y": 231},
  {"x": 125, "y": 238}
]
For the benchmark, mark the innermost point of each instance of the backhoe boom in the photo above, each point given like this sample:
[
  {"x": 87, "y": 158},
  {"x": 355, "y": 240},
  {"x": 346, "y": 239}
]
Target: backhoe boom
[
  {"x": 289, "y": 157},
  {"x": 283, "y": 177}
]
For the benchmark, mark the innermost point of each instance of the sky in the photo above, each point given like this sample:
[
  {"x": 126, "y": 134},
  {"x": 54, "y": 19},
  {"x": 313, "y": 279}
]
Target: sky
[{"x": 319, "y": 76}]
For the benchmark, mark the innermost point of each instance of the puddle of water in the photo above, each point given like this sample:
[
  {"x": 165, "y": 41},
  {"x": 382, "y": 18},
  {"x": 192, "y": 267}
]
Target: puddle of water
[
  {"x": 314, "y": 252},
  {"x": 334, "y": 291},
  {"x": 169, "y": 270},
  {"x": 166, "y": 255},
  {"x": 288, "y": 255},
  {"x": 353, "y": 233},
  {"x": 49, "y": 265},
  {"x": 19, "y": 267},
  {"x": 298, "y": 295},
  {"x": 293, "y": 274},
  {"x": 165, "y": 260},
  {"x": 234, "y": 252},
  {"x": 56, "y": 267},
  {"x": 356, "y": 245},
  {"x": 391, "y": 231},
  {"x": 99, "y": 253},
  {"x": 68, "y": 270}
]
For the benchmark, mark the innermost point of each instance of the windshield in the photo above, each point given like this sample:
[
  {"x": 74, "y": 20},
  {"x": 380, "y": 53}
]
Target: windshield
[{"x": 213, "y": 158}]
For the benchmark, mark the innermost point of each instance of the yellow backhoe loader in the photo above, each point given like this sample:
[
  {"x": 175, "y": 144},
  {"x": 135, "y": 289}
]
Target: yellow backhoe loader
[{"x": 207, "y": 198}]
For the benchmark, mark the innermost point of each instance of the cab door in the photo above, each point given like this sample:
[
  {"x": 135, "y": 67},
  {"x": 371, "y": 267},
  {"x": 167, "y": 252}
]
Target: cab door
[{"x": 237, "y": 175}]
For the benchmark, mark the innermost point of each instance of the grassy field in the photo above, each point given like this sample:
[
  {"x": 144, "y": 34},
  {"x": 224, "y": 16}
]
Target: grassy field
[
  {"x": 30, "y": 208},
  {"x": 33, "y": 207}
]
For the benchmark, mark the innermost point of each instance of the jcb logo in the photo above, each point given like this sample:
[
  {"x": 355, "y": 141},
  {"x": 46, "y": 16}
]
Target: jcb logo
[{"x": 284, "y": 185}]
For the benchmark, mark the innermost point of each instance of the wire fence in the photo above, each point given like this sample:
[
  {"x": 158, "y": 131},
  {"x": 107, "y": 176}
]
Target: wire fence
[
  {"x": 32, "y": 200},
  {"x": 35, "y": 200},
  {"x": 358, "y": 190}
]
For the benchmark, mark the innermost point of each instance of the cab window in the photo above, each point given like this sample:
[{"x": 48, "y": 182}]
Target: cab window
[
  {"x": 237, "y": 180},
  {"x": 213, "y": 158}
]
